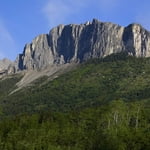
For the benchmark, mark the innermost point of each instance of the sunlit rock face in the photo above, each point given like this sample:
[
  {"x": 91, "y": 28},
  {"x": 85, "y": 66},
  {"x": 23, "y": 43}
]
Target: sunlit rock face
[
  {"x": 137, "y": 40},
  {"x": 77, "y": 43}
]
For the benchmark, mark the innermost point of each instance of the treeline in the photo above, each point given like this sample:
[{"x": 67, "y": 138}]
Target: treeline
[{"x": 115, "y": 126}]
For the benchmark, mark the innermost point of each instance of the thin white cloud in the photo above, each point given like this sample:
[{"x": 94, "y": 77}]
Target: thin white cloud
[
  {"x": 7, "y": 43},
  {"x": 58, "y": 11}
]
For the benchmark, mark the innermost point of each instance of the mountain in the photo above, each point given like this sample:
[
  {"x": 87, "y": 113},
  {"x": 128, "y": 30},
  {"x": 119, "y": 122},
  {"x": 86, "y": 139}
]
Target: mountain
[
  {"x": 77, "y": 43},
  {"x": 89, "y": 92},
  {"x": 67, "y": 45}
]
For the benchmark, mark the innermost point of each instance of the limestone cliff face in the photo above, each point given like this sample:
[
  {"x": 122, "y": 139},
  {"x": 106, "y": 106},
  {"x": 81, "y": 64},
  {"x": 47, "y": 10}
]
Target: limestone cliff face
[
  {"x": 77, "y": 43},
  {"x": 36, "y": 55},
  {"x": 137, "y": 40}
]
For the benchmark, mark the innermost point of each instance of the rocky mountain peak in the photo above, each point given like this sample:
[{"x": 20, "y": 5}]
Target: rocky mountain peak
[{"x": 76, "y": 43}]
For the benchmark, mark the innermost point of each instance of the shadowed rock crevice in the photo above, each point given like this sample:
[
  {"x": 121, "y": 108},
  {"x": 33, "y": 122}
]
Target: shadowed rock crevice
[{"x": 66, "y": 43}]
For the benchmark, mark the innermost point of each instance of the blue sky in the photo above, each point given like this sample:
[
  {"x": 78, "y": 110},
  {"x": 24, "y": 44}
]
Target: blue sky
[{"x": 22, "y": 20}]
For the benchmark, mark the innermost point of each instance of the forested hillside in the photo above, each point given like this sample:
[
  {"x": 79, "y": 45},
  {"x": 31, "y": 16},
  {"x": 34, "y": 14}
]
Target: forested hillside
[
  {"x": 115, "y": 126},
  {"x": 94, "y": 83},
  {"x": 103, "y": 104}
]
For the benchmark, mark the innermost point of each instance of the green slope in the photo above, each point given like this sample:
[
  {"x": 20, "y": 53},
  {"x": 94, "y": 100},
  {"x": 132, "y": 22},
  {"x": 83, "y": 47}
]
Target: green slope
[
  {"x": 104, "y": 104},
  {"x": 7, "y": 84},
  {"x": 92, "y": 84}
]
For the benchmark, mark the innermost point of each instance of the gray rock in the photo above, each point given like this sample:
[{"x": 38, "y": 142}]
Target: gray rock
[
  {"x": 4, "y": 63},
  {"x": 77, "y": 43}
]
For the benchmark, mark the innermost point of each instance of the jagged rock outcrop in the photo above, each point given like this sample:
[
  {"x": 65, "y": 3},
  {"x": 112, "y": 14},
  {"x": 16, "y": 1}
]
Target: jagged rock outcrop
[
  {"x": 36, "y": 55},
  {"x": 137, "y": 40},
  {"x": 4, "y": 64},
  {"x": 77, "y": 43}
]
